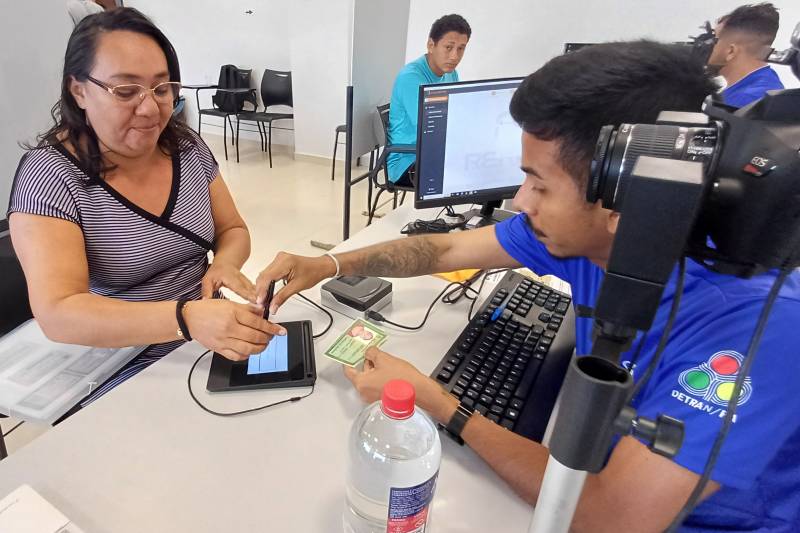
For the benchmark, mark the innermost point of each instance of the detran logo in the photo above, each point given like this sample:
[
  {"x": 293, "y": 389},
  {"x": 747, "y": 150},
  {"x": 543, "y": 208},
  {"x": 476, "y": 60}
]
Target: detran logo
[{"x": 714, "y": 379}]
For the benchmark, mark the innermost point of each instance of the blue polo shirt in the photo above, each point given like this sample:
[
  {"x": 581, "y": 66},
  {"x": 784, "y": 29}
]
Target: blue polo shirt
[
  {"x": 752, "y": 87},
  {"x": 403, "y": 110},
  {"x": 759, "y": 465}
]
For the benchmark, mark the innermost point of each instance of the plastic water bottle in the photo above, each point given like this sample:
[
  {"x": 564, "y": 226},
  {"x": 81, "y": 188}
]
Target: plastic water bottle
[{"x": 393, "y": 463}]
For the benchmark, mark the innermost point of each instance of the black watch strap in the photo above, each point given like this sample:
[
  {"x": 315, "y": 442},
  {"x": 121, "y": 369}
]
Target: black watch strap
[{"x": 457, "y": 422}]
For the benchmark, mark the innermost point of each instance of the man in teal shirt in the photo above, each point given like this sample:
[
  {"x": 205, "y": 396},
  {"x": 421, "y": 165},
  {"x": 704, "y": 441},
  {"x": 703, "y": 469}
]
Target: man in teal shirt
[{"x": 447, "y": 41}]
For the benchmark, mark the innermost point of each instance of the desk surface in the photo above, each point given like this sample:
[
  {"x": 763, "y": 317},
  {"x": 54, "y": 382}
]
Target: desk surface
[{"x": 146, "y": 458}]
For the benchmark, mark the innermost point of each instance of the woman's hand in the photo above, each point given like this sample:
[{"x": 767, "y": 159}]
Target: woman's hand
[
  {"x": 221, "y": 274},
  {"x": 231, "y": 329}
]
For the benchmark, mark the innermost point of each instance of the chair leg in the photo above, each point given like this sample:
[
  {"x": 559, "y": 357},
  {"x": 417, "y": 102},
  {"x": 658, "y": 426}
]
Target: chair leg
[
  {"x": 260, "y": 135},
  {"x": 225, "y": 136},
  {"x": 3, "y": 449},
  {"x": 374, "y": 207},
  {"x": 199, "y": 123},
  {"x": 230, "y": 121},
  {"x": 369, "y": 181},
  {"x": 394, "y": 201},
  {"x": 333, "y": 163},
  {"x": 237, "y": 139},
  {"x": 269, "y": 145},
  {"x": 403, "y": 197},
  {"x": 369, "y": 195}
]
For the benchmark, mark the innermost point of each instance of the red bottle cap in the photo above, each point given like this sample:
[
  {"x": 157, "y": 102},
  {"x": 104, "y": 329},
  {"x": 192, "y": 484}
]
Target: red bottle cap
[{"x": 397, "y": 400}]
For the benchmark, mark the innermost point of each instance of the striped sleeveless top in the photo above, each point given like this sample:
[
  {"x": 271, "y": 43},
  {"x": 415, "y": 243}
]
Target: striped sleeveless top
[{"x": 132, "y": 254}]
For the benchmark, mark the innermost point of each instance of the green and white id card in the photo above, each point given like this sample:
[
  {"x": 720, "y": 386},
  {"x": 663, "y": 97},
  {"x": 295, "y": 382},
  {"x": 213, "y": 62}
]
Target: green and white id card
[{"x": 351, "y": 346}]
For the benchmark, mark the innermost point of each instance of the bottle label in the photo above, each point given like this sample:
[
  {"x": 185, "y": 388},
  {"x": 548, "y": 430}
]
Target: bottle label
[{"x": 409, "y": 507}]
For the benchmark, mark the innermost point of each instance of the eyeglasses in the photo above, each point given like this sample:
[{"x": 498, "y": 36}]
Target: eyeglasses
[{"x": 133, "y": 94}]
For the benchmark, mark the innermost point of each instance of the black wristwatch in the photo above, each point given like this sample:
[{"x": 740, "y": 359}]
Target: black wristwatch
[
  {"x": 457, "y": 422},
  {"x": 183, "y": 329}
]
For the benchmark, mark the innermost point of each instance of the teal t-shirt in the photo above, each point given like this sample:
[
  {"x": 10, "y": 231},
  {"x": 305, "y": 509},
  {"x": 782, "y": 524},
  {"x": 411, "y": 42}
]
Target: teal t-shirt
[{"x": 403, "y": 110}]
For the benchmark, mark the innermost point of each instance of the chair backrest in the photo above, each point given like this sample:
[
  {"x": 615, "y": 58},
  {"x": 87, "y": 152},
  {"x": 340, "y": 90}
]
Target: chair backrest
[
  {"x": 382, "y": 135},
  {"x": 13, "y": 290},
  {"x": 231, "y": 77},
  {"x": 276, "y": 88},
  {"x": 380, "y": 130}
]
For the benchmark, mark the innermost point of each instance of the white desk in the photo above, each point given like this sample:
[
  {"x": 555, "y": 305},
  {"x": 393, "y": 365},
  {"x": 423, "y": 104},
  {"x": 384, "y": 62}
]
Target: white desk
[{"x": 145, "y": 458}]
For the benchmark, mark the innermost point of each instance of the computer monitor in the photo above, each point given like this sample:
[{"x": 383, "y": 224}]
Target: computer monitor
[{"x": 468, "y": 146}]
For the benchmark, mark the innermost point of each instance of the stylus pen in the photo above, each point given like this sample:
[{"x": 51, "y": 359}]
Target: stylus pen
[{"x": 268, "y": 300}]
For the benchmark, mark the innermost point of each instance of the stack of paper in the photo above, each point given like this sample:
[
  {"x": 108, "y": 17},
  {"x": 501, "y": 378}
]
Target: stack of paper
[
  {"x": 40, "y": 380},
  {"x": 25, "y": 511}
]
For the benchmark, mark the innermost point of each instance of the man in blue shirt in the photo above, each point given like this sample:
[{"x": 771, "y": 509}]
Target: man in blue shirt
[
  {"x": 447, "y": 42},
  {"x": 745, "y": 37},
  {"x": 561, "y": 108}
]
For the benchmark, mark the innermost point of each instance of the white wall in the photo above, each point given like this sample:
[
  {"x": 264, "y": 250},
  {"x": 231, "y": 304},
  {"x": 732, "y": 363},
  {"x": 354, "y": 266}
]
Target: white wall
[
  {"x": 378, "y": 54},
  {"x": 33, "y": 37},
  {"x": 210, "y": 33},
  {"x": 515, "y": 37},
  {"x": 319, "y": 43},
  {"x": 308, "y": 37}
]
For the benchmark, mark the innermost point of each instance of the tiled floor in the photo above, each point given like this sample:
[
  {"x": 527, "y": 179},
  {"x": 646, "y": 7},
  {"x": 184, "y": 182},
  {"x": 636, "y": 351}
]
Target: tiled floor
[{"x": 285, "y": 207}]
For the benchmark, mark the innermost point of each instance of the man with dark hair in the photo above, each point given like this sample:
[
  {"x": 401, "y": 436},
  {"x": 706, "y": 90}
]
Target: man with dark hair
[
  {"x": 561, "y": 108},
  {"x": 447, "y": 42},
  {"x": 745, "y": 37}
]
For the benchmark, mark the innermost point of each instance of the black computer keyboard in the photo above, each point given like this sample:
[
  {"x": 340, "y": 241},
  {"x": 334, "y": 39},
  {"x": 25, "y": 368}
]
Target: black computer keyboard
[{"x": 510, "y": 369}]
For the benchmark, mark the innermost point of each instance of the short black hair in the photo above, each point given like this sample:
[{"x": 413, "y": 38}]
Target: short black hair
[
  {"x": 449, "y": 23},
  {"x": 759, "y": 20},
  {"x": 573, "y": 96}
]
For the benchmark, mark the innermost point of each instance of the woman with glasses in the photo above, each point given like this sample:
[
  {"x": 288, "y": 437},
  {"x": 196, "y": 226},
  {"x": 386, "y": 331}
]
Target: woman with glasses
[{"x": 114, "y": 212}]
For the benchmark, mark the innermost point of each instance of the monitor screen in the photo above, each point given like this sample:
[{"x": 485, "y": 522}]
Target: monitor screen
[{"x": 468, "y": 146}]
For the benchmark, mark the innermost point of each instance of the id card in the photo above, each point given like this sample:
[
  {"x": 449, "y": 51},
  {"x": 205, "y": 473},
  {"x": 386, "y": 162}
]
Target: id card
[{"x": 351, "y": 346}]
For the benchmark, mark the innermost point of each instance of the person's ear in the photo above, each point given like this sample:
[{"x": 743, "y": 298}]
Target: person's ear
[
  {"x": 431, "y": 44},
  {"x": 612, "y": 222},
  {"x": 78, "y": 91},
  {"x": 731, "y": 52}
]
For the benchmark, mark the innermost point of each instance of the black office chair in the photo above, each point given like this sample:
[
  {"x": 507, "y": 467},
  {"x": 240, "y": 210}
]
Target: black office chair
[
  {"x": 385, "y": 184},
  {"x": 276, "y": 89},
  {"x": 14, "y": 295},
  {"x": 227, "y": 104},
  {"x": 343, "y": 129}
]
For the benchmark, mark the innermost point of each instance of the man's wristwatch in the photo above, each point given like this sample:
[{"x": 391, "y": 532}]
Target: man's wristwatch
[{"x": 457, "y": 422}]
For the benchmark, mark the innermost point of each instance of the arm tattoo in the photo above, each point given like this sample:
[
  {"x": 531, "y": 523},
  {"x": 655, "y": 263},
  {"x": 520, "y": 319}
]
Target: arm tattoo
[{"x": 399, "y": 259}]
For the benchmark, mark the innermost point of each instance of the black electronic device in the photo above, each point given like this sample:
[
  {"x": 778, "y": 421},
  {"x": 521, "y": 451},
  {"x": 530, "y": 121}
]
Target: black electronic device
[
  {"x": 353, "y": 296},
  {"x": 288, "y": 361},
  {"x": 511, "y": 368},
  {"x": 468, "y": 147},
  {"x": 574, "y": 47}
]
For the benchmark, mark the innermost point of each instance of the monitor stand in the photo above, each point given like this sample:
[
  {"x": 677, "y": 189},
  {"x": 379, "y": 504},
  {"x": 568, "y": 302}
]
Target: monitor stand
[{"x": 486, "y": 215}]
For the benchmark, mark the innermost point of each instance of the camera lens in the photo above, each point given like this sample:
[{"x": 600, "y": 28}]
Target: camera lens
[{"x": 617, "y": 151}]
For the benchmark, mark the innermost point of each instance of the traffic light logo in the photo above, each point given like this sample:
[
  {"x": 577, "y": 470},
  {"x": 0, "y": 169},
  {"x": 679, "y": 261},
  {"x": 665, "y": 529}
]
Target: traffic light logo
[{"x": 714, "y": 380}]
